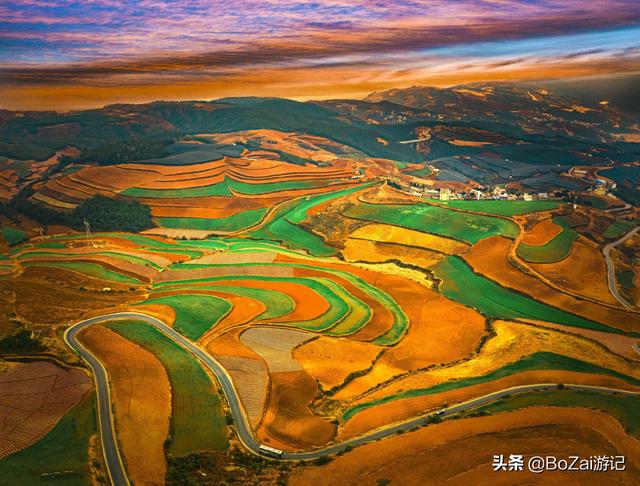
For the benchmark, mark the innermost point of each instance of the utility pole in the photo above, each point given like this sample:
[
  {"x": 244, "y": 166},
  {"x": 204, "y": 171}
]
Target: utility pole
[{"x": 87, "y": 229}]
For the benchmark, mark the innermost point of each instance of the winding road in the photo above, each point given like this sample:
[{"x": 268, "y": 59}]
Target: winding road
[
  {"x": 611, "y": 268},
  {"x": 113, "y": 460}
]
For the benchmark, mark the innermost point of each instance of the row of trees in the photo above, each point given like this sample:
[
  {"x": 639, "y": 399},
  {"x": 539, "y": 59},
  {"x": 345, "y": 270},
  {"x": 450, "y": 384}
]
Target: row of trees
[
  {"x": 120, "y": 152},
  {"x": 103, "y": 213}
]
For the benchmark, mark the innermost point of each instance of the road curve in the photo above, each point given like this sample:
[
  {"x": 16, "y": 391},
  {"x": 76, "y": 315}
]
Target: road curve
[
  {"x": 611, "y": 268},
  {"x": 113, "y": 460}
]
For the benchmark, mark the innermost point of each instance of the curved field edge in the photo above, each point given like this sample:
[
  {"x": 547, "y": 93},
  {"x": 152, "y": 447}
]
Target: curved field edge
[
  {"x": 195, "y": 314},
  {"x": 623, "y": 408},
  {"x": 60, "y": 457},
  {"x": 542, "y": 360},
  {"x": 391, "y": 336},
  {"x": 282, "y": 227},
  {"x": 553, "y": 251},
  {"x": 460, "y": 283},
  {"x": 197, "y": 414},
  {"x": 236, "y": 222},
  {"x": 89, "y": 269}
]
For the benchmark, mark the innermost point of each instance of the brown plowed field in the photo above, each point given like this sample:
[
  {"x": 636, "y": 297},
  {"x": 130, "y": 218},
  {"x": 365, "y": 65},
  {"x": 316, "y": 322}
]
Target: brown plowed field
[
  {"x": 461, "y": 451},
  {"x": 489, "y": 258},
  {"x": 33, "y": 398},
  {"x": 542, "y": 233},
  {"x": 275, "y": 346},
  {"x": 141, "y": 411},
  {"x": 330, "y": 360},
  {"x": 288, "y": 422},
  {"x": 46, "y": 295},
  {"x": 251, "y": 380},
  {"x": 584, "y": 272},
  {"x": 386, "y": 233}
]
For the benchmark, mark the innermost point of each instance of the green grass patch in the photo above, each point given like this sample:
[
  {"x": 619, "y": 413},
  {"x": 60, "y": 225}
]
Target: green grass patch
[
  {"x": 553, "y": 251},
  {"x": 195, "y": 314},
  {"x": 236, "y": 222},
  {"x": 502, "y": 208},
  {"x": 618, "y": 228},
  {"x": 625, "y": 278},
  {"x": 537, "y": 361},
  {"x": 13, "y": 236},
  {"x": 427, "y": 218},
  {"x": 461, "y": 284},
  {"x": 61, "y": 457},
  {"x": 623, "y": 408},
  {"x": 197, "y": 415},
  {"x": 89, "y": 269}
]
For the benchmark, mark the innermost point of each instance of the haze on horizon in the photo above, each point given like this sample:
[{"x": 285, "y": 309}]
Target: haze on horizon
[{"x": 70, "y": 55}]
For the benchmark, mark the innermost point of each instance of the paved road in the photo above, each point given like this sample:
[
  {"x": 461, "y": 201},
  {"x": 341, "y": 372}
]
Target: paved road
[
  {"x": 112, "y": 456},
  {"x": 611, "y": 268}
]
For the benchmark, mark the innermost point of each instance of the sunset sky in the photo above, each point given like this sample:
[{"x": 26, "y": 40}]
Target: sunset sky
[{"x": 67, "y": 55}]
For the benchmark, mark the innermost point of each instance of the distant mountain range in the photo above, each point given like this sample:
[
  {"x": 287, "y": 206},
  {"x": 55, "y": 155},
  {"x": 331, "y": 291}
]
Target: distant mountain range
[{"x": 510, "y": 124}]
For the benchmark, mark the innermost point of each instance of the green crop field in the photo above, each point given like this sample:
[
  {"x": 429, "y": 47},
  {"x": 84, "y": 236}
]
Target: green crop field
[
  {"x": 537, "y": 361},
  {"x": 618, "y": 228},
  {"x": 224, "y": 189},
  {"x": 553, "y": 251},
  {"x": 325, "y": 287},
  {"x": 60, "y": 458},
  {"x": 88, "y": 269},
  {"x": 13, "y": 236},
  {"x": 624, "y": 408},
  {"x": 470, "y": 228},
  {"x": 272, "y": 187},
  {"x": 219, "y": 189},
  {"x": 461, "y": 284},
  {"x": 120, "y": 256},
  {"x": 238, "y": 221},
  {"x": 502, "y": 208},
  {"x": 195, "y": 314},
  {"x": 197, "y": 415},
  {"x": 283, "y": 225},
  {"x": 278, "y": 304}
]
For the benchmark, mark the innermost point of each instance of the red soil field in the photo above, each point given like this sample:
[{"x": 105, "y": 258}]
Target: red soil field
[
  {"x": 33, "y": 398},
  {"x": 288, "y": 422}
]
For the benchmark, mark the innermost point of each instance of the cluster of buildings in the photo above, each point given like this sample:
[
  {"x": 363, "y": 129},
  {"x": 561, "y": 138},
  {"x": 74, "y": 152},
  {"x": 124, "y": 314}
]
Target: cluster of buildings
[{"x": 498, "y": 192}]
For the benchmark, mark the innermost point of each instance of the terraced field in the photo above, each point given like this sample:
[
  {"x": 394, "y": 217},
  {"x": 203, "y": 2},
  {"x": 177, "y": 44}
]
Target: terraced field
[
  {"x": 418, "y": 304},
  {"x": 554, "y": 250}
]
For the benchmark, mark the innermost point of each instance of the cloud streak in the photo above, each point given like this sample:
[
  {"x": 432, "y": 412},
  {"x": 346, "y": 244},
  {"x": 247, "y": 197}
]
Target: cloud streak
[{"x": 119, "y": 47}]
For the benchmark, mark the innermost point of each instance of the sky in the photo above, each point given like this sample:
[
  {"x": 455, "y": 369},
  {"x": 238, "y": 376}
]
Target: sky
[{"x": 67, "y": 55}]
